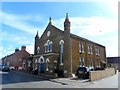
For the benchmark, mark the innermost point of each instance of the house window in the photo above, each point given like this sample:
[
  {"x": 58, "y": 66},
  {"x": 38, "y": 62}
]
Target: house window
[
  {"x": 90, "y": 62},
  {"x": 61, "y": 52},
  {"x": 38, "y": 50},
  {"x": 29, "y": 63},
  {"x": 90, "y": 49},
  {"x": 82, "y": 62},
  {"x": 98, "y": 63},
  {"x": 97, "y": 51},
  {"x": 81, "y": 47}
]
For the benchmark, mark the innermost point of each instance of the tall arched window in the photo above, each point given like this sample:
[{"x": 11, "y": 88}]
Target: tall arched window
[
  {"x": 47, "y": 64},
  {"x": 38, "y": 50},
  {"x": 50, "y": 46},
  {"x": 61, "y": 52}
]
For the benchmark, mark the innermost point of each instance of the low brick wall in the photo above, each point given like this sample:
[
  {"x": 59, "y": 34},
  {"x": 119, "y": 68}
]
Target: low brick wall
[{"x": 95, "y": 75}]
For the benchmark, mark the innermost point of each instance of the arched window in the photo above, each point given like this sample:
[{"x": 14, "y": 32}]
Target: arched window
[
  {"x": 47, "y": 64},
  {"x": 36, "y": 61},
  {"x": 45, "y": 46},
  {"x": 48, "y": 46},
  {"x": 38, "y": 50},
  {"x": 61, "y": 52}
]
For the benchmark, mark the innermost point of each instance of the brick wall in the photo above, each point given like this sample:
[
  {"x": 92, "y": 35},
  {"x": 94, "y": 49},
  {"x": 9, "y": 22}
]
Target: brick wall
[
  {"x": 95, "y": 75},
  {"x": 76, "y": 54}
]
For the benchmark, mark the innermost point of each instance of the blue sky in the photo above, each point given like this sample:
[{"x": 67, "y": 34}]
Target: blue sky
[{"x": 96, "y": 21}]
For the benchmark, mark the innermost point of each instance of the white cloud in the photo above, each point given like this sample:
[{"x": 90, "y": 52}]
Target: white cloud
[
  {"x": 11, "y": 49},
  {"x": 30, "y": 48},
  {"x": 111, "y": 45},
  {"x": 13, "y": 38},
  {"x": 6, "y": 51},
  {"x": 91, "y": 26},
  {"x": 20, "y": 22},
  {"x": 113, "y": 6},
  {"x": 96, "y": 29}
]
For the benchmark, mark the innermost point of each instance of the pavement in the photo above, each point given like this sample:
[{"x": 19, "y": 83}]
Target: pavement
[{"x": 85, "y": 83}]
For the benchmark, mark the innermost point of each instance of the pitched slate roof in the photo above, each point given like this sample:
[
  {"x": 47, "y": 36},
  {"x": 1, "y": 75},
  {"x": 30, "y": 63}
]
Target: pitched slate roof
[{"x": 71, "y": 35}]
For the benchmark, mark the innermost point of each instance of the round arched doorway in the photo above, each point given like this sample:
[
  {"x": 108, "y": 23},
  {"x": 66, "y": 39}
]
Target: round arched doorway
[{"x": 41, "y": 61}]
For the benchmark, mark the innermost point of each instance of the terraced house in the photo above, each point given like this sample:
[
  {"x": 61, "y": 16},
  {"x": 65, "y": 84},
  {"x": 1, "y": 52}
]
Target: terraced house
[
  {"x": 59, "y": 50},
  {"x": 17, "y": 59}
]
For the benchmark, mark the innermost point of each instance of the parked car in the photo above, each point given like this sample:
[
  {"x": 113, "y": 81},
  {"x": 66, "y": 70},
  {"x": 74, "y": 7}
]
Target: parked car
[
  {"x": 5, "y": 68},
  {"x": 83, "y": 72}
]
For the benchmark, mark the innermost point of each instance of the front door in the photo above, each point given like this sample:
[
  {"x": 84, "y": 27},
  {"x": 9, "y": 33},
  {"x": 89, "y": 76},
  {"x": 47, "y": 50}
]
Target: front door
[{"x": 42, "y": 66}]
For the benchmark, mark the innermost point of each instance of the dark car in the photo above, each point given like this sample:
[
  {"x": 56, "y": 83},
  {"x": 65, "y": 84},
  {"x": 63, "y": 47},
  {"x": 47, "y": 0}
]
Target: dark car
[
  {"x": 5, "y": 68},
  {"x": 83, "y": 72}
]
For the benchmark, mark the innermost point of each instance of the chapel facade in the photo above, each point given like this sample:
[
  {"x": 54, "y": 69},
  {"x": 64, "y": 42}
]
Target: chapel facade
[{"x": 59, "y": 51}]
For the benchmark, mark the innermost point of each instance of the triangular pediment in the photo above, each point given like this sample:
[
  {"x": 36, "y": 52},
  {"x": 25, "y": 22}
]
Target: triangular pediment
[{"x": 51, "y": 31}]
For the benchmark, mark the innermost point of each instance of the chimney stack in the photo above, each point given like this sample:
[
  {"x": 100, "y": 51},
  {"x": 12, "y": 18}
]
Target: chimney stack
[
  {"x": 16, "y": 50},
  {"x": 23, "y": 48}
]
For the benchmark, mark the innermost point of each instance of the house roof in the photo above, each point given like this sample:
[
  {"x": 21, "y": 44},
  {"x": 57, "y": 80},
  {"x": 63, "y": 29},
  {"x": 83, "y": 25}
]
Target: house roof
[
  {"x": 18, "y": 53},
  {"x": 78, "y": 37},
  {"x": 71, "y": 35}
]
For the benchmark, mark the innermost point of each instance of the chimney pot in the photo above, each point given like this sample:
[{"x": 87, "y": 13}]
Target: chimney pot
[{"x": 23, "y": 48}]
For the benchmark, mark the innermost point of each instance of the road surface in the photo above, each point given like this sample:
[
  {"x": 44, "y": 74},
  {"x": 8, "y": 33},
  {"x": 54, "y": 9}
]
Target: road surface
[{"x": 15, "y": 79}]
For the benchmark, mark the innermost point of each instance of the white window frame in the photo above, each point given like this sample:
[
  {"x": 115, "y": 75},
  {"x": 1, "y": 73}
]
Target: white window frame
[
  {"x": 97, "y": 51},
  {"x": 83, "y": 48},
  {"x": 38, "y": 50},
  {"x": 51, "y": 46},
  {"x": 98, "y": 63},
  {"x": 61, "y": 56},
  {"x": 29, "y": 63},
  {"x": 82, "y": 61},
  {"x": 89, "y": 49},
  {"x": 80, "y": 48},
  {"x": 47, "y": 64},
  {"x": 48, "y": 46}
]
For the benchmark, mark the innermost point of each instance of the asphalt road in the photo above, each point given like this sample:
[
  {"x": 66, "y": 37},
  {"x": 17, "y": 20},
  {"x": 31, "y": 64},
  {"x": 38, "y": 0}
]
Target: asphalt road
[
  {"x": 22, "y": 80},
  {"x": 14, "y": 79}
]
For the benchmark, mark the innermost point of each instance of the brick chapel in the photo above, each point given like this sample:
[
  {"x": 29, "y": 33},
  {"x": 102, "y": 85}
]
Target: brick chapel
[{"x": 59, "y": 51}]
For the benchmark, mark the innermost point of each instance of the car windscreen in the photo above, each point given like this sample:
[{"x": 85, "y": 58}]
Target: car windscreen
[{"x": 82, "y": 69}]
